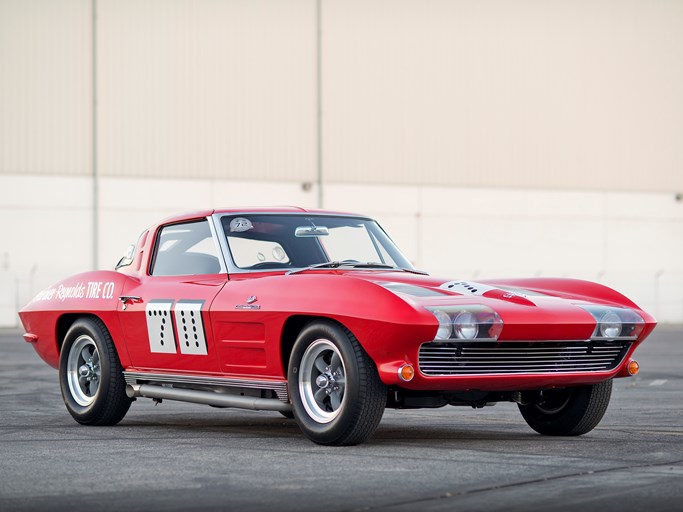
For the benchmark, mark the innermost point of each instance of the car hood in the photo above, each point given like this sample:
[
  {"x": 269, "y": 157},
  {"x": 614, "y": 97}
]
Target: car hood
[
  {"x": 543, "y": 307},
  {"x": 429, "y": 290}
]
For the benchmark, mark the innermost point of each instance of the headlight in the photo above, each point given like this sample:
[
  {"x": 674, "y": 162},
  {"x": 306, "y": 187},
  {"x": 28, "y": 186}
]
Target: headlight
[
  {"x": 445, "y": 325},
  {"x": 465, "y": 325},
  {"x": 610, "y": 325},
  {"x": 471, "y": 322},
  {"x": 615, "y": 323}
]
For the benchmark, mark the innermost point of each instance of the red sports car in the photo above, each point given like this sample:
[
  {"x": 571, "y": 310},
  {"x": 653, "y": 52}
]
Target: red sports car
[{"x": 319, "y": 316}]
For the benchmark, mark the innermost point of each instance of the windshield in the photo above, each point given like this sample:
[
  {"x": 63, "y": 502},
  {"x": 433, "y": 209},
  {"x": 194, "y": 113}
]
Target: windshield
[{"x": 263, "y": 242}]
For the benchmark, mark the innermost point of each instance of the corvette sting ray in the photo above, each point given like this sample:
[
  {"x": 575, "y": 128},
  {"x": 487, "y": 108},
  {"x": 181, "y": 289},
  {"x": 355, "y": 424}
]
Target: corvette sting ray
[{"x": 318, "y": 315}]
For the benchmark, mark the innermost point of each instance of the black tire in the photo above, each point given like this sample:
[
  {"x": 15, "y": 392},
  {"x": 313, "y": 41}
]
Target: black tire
[
  {"x": 288, "y": 414},
  {"x": 568, "y": 412},
  {"x": 94, "y": 392},
  {"x": 353, "y": 408}
]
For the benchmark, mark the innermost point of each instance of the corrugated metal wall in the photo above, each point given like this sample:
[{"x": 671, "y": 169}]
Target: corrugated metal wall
[
  {"x": 45, "y": 87},
  {"x": 207, "y": 89},
  {"x": 530, "y": 93}
]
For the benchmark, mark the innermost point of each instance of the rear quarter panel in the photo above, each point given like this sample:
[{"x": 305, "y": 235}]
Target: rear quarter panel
[{"x": 90, "y": 293}]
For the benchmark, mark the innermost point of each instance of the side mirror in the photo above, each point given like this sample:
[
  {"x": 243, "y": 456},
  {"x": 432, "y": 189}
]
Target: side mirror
[{"x": 127, "y": 258}]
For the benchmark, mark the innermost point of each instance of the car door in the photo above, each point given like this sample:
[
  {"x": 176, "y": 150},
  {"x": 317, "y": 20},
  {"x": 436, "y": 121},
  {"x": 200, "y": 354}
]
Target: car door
[{"x": 165, "y": 312}]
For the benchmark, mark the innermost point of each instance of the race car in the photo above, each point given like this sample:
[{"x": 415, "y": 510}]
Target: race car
[{"x": 318, "y": 315}]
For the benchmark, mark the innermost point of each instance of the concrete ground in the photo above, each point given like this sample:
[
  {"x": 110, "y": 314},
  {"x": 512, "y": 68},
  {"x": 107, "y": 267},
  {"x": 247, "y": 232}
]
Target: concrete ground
[{"x": 188, "y": 457}]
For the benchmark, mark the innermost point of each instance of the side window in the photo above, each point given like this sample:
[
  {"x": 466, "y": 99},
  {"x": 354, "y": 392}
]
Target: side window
[{"x": 185, "y": 249}]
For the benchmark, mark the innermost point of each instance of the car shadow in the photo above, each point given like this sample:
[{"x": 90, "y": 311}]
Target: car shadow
[{"x": 237, "y": 424}]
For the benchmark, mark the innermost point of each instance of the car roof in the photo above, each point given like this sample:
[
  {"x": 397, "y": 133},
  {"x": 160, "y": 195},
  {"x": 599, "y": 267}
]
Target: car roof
[{"x": 255, "y": 210}]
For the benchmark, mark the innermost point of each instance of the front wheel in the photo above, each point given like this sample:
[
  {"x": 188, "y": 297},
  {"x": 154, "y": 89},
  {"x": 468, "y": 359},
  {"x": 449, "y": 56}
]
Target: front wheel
[
  {"x": 90, "y": 375},
  {"x": 337, "y": 395},
  {"x": 567, "y": 412}
]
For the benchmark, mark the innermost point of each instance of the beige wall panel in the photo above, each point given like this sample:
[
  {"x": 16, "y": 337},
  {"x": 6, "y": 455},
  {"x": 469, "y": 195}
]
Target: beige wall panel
[
  {"x": 530, "y": 93},
  {"x": 207, "y": 89},
  {"x": 45, "y": 100}
]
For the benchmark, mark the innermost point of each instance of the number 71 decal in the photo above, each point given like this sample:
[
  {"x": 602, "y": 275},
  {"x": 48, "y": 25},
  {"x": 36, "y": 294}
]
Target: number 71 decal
[{"x": 171, "y": 327}]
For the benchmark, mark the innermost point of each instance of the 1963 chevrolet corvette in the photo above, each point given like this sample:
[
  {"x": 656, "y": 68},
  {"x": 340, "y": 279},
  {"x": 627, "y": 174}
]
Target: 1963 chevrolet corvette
[{"x": 319, "y": 316}]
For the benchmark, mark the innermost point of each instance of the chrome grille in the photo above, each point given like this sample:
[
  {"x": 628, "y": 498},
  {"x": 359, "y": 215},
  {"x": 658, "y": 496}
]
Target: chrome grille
[{"x": 519, "y": 357}]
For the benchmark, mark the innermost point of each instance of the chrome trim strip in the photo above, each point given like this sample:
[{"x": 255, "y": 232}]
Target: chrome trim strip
[
  {"x": 206, "y": 397},
  {"x": 223, "y": 244},
  {"x": 617, "y": 338},
  {"x": 522, "y": 359},
  {"x": 216, "y": 240},
  {"x": 319, "y": 213},
  {"x": 468, "y": 340},
  {"x": 498, "y": 340},
  {"x": 280, "y": 387}
]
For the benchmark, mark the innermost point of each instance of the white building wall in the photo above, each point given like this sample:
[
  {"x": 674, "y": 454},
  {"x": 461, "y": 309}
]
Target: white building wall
[
  {"x": 629, "y": 241},
  {"x": 45, "y": 235}
]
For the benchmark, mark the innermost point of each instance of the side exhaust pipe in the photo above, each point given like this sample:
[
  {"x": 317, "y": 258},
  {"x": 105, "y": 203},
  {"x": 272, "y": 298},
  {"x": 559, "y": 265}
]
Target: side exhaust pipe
[{"x": 206, "y": 398}]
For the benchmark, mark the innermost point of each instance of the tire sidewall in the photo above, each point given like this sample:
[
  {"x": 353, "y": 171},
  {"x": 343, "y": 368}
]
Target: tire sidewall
[
  {"x": 85, "y": 414},
  {"x": 569, "y": 419},
  {"x": 325, "y": 433},
  {"x": 560, "y": 421}
]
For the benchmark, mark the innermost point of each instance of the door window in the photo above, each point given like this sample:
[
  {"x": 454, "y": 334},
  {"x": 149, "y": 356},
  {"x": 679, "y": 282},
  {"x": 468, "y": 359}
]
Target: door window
[{"x": 186, "y": 249}]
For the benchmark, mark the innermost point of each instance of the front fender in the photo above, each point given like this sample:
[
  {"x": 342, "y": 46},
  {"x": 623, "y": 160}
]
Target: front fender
[{"x": 386, "y": 326}]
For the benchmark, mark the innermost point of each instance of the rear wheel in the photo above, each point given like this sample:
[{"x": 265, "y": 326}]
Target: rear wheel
[
  {"x": 567, "y": 412},
  {"x": 90, "y": 375},
  {"x": 337, "y": 395}
]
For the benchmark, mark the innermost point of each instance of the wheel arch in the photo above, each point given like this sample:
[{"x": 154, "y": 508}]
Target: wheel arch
[
  {"x": 290, "y": 332},
  {"x": 64, "y": 323},
  {"x": 66, "y": 320}
]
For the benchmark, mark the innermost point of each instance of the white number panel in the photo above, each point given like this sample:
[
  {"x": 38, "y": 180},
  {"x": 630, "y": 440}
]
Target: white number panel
[
  {"x": 190, "y": 327},
  {"x": 160, "y": 327}
]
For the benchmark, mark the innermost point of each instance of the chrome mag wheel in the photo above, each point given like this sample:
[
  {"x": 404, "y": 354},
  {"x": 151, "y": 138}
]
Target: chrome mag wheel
[
  {"x": 322, "y": 381},
  {"x": 90, "y": 374},
  {"x": 337, "y": 395},
  {"x": 83, "y": 370}
]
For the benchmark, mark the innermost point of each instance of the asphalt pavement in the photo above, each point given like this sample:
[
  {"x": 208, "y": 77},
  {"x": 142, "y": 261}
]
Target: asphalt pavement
[{"x": 177, "y": 456}]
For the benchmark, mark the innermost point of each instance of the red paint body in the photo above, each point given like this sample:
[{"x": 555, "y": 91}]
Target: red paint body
[{"x": 248, "y": 343}]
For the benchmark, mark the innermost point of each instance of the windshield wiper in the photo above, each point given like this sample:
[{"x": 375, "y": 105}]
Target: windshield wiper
[
  {"x": 412, "y": 271},
  {"x": 325, "y": 264},
  {"x": 371, "y": 264},
  {"x": 354, "y": 264}
]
